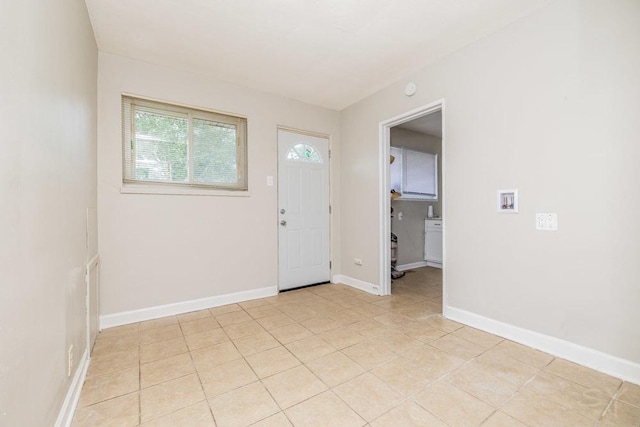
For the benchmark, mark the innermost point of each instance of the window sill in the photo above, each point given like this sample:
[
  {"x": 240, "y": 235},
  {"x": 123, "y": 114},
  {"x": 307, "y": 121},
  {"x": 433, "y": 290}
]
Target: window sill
[{"x": 179, "y": 191}]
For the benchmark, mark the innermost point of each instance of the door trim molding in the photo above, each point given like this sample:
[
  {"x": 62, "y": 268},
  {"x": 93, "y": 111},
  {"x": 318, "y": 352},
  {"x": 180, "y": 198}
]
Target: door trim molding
[{"x": 384, "y": 131}]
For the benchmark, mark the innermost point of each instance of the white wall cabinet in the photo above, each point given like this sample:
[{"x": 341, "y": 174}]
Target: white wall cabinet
[{"x": 433, "y": 242}]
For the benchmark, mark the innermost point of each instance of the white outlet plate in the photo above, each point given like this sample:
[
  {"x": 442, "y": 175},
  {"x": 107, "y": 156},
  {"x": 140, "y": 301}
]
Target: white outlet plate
[
  {"x": 357, "y": 261},
  {"x": 546, "y": 221}
]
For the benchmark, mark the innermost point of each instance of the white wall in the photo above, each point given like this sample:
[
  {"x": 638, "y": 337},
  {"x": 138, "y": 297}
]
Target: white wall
[
  {"x": 48, "y": 73},
  {"x": 165, "y": 249},
  {"x": 550, "y": 106}
]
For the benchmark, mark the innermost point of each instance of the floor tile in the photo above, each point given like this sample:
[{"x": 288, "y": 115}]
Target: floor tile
[
  {"x": 163, "y": 333},
  {"x": 324, "y": 410},
  {"x": 227, "y": 319},
  {"x": 370, "y": 353},
  {"x": 283, "y": 360},
  {"x": 206, "y": 339},
  {"x": 194, "y": 315},
  {"x": 162, "y": 349},
  {"x": 113, "y": 361},
  {"x": 522, "y": 353},
  {"x": 630, "y": 393},
  {"x": 583, "y": 376},
  {"x": 102, "y": 387},
  {"x": 422, "y": 332},
  {"x": 404, "y": 376},
  {"x": 318, "y": 325},
  {"x": 275, "y": 321},
  {"x": 439, "y": 322},
  {"x": 310, "y": 348},
  {"x": 120, "y": 411},
  {"x": 198, "y": 415},
  {"x": 335, "y": 368},
  {"x": 368, "y": 395},
  {"x": 199, "y": 325},
  {"x": 452, "y": 405},
  {"x": 243, "y": 406},
  {"x": 458, "y": 347},
  {"x": 342, "y": 338},
  {"x": 500, "y": 419},
  {"x": 589, "y": 402},
  {"x": 398, "y": 342},
  {"x": 243, "y": 329},
  {"x": 293, "y": 386},
  {"x": 263, "y": 311},
  {"x": 290, "y": 333},
  {"x": 158, "y": 323},
  {"x": 277, "y": 420},
  {"x": 230, "y": 308},
  {"x": 226, "y": 377},
  {"x": 165, "y": 369},
  {"x": 116, "y": 343},
  {"x": 436, "y": 363},
  {"x": 478, "y": 337},
  {"x": 170, "y": 396},
  {"x": 256, "y": 343},
  {"x": 536, "y": 411},
  {"x": 505, "y": 368},
  {"x": 481, "y": 384},
  {"x": 207, "y": 357},
  {"x": 621, "y": 414},
  {"x": 272, "y": 361},
  {"x": 408, "y": 414}
]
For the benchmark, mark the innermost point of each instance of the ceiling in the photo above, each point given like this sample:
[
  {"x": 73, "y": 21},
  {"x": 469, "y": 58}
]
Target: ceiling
[
  {"x": 330, "y": 53},
  {"x": 431, "y": 124}
]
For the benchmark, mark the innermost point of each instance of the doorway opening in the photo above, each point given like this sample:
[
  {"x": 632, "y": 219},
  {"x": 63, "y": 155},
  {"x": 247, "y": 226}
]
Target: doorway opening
[{"x": 417, "y": 138}]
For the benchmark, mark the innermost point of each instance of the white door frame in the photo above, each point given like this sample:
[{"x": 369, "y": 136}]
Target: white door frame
[
  {"x": 385, "y": 189},
  {"x": 317, "y": 135}
]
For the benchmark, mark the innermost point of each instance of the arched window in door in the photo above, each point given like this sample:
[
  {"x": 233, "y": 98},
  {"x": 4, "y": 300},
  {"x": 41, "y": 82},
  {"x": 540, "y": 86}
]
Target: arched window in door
[{"x": 304, "y": 153}]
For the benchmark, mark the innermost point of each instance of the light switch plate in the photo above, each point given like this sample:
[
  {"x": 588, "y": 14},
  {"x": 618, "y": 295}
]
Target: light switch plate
[{"x": 546, "y": 221}]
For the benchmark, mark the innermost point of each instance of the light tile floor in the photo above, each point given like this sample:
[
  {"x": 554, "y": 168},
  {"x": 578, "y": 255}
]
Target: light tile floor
[{"x": 334, "y": 356}]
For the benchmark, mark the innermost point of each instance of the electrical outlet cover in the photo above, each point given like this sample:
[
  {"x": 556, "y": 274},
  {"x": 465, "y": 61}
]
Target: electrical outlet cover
[{"x": 546, "y": 221}]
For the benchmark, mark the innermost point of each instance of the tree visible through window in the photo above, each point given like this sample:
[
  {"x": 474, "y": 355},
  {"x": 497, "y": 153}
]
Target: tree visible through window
[{"x": 165, "y": 143}]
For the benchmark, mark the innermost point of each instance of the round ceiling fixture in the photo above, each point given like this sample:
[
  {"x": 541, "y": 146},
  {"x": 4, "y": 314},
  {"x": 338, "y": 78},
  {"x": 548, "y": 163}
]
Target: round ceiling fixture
[{"x": 410, "y": 89}]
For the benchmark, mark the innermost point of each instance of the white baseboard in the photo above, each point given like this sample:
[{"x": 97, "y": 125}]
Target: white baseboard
[
  {"x": 356, "y": 283},
  {"x": 133, "y": 316},
  {"x": 603, "y": 362},
  {"x": 409, "y": 266},
  {"x": 65, "y": 416}
]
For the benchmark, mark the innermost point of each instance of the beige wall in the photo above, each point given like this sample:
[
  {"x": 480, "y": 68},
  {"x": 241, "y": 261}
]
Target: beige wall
[
  {"x": 47, "y": 182},
  {"x": 550, "y": 106},
  {"x": 410, "y": 230},
  {"x": 164, "y": 249}
]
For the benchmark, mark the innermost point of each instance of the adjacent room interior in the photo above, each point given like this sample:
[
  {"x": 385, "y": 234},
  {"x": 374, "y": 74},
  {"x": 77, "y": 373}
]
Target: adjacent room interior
[{"x": 457, "y": 180}]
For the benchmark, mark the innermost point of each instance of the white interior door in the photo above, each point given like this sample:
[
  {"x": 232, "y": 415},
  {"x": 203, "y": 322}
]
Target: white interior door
[{"x": 303, "y": 209}]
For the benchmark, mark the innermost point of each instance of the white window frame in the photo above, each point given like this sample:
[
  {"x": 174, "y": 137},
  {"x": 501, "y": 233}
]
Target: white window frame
[
  {"x": 138, "y": 186},
  {"x": 400, "y": 165}
]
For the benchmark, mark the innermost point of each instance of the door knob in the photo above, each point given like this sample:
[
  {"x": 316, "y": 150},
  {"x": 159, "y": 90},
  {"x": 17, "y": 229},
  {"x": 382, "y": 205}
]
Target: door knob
[
  {"x": 283, "y": 222},
  {"x": 282, "y": 211}
]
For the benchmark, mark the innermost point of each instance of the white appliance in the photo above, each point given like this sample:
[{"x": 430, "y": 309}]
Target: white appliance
[{"x": 433, "y": 242}]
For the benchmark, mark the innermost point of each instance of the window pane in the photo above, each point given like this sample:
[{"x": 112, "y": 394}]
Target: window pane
[
  {"x": 160, "y": 147},
  {"x": 304, "y": 153},
  {"x": 420, "y": 170},
  {"x": 214, "y": 152}
]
